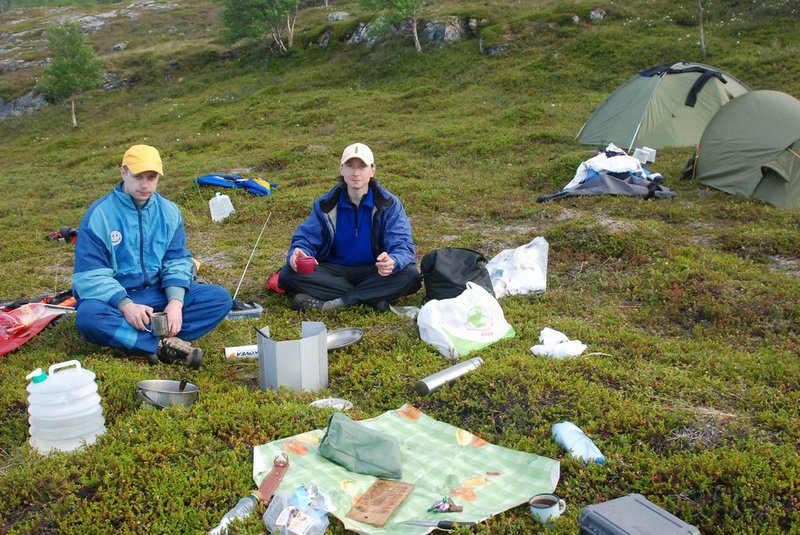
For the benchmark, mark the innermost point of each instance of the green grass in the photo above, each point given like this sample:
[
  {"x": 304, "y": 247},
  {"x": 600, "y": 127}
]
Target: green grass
[{"x": 691, "y": 305}]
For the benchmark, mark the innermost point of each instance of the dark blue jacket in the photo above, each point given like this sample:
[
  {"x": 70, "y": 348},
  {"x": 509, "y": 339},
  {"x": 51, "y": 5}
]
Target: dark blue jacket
[{"x": 391, "y": 229}]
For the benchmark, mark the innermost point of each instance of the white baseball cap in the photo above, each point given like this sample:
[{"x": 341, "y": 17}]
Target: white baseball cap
[{"x": 360, "y": 151}]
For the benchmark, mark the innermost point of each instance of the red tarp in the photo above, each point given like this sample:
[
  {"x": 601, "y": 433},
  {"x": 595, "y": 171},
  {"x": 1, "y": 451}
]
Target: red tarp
[{"x": 19, "y": 325}]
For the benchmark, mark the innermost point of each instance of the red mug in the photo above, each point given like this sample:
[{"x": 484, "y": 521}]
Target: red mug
[{"x": 305, "y": 264}]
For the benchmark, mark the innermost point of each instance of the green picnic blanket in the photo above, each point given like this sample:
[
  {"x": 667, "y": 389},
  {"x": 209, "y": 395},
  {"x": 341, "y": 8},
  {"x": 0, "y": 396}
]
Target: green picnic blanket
[{"x": 438, "y": 459}]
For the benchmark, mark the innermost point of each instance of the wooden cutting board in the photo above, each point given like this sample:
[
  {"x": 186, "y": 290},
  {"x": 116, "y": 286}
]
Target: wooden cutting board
[{"x": 382, "y": 498}]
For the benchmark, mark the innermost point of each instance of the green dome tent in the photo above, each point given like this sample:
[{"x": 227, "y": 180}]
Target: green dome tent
[
  {"x": 752, "y": 148},
  {"x": 666, "y": 106}
]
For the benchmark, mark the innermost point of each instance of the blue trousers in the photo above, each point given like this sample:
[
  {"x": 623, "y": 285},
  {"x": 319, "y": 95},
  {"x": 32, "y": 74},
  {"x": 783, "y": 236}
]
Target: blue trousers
[{"x": 204, "y": 306}]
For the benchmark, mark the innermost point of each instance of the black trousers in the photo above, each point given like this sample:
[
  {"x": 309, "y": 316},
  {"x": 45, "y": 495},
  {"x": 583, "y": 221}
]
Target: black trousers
[{"x": 353, "y": 284}]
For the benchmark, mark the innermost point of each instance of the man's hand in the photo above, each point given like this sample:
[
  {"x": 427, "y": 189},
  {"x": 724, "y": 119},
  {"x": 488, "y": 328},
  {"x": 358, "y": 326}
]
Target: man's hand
[
  {"x": 137, "y": 315},
  {"x": 297, "y": 253},
  {"x": 174, "y": 312},
  {"x": 385, "y": 264}
]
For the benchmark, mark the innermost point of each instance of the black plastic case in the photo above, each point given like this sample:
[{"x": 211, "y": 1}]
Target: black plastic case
[{"x": 631, "y": 515}]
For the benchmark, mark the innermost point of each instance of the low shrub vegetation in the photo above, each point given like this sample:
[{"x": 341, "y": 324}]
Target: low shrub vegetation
[{"x": 689, "y": 306}]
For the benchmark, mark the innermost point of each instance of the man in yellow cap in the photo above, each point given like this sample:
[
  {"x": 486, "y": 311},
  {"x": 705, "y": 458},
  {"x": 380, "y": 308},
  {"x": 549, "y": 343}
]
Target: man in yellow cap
[{"x": 131, "y": 261}]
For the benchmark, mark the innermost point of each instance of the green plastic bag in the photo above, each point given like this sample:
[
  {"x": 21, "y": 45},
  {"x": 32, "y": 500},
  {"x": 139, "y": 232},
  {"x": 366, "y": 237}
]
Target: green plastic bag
[{"x": 360, "y": 449}]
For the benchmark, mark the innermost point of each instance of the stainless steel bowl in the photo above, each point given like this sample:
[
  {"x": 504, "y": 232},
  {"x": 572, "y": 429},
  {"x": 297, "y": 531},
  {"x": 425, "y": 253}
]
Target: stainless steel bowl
[{"x": 162, "y": 393}]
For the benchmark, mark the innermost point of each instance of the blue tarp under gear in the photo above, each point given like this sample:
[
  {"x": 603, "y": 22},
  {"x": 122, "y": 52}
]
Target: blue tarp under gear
[{"x": 256, "y": 186}]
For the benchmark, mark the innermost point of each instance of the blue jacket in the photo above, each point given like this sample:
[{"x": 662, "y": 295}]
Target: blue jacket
[
  {"x": 121, "y": 247},
  {"x": 391, "y": 229}
]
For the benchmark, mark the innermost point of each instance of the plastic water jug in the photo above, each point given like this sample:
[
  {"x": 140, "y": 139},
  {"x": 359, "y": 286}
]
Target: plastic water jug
[
  {"x": 221, "y": 207},
  {"x": 64, "y": 408}
]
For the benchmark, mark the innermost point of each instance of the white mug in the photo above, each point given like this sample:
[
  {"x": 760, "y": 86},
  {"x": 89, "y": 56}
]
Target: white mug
[{"x": 547, "y": 507}]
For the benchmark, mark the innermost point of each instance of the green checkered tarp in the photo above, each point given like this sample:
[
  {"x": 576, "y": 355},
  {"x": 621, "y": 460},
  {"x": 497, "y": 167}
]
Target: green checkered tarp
[{"x": 438, "y": 459}]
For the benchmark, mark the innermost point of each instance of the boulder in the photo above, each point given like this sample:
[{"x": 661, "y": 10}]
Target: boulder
[
  {"x": 362, "y": 35},
  {"x": 597, "y": 14},
  {"x": 338, "y": 15},
  {"x": 324, "y": 39},
  {"x": 30, "y": 102},
  {"x": 492, "y": 50},
  {"x": 443, "y": 33}
]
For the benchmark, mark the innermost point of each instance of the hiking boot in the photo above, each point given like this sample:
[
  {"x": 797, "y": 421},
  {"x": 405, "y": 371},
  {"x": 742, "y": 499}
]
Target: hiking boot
[
  {"x": 380, "y": 306},
  {"x": 150, "y": 358},
  {"x": 173, "y": 349},
  {"x": 306, "y": 302}
]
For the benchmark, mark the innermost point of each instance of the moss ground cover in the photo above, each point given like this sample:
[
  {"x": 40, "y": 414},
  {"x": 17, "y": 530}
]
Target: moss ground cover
[{"x": 690, "y": 305}]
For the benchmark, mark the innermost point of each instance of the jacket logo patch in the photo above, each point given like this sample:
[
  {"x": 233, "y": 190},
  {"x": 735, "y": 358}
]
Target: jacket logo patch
[{"x": 116, "y": 237}]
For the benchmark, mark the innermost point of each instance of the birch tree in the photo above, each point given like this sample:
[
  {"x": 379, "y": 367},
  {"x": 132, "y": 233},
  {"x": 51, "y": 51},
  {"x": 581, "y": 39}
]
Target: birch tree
[
  {"x": 256, "y": 18},
  {"x": 398, "y": 11},
  {"x": 74, "y": 66}
]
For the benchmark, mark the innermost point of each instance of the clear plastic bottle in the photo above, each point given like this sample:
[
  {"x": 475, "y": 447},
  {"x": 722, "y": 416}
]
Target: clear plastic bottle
[
  {"x": 570, "y": 437},
  {"x": 243, "y": 509}
]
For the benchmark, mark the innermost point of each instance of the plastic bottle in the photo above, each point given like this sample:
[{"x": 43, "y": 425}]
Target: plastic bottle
[
  {"x": 221, "y": 207},
  {"x": 64, "y": 408},
  {"x": 243, "y": 508},
  {"x": 570, "y": 437}
]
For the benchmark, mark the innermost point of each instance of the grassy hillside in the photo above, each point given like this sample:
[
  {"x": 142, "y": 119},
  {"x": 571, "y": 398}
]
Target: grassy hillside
[{"x": 690, "y": 305}]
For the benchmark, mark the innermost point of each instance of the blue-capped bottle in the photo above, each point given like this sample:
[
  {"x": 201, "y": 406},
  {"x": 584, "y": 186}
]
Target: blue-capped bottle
[{"x": 570, "y": 437}]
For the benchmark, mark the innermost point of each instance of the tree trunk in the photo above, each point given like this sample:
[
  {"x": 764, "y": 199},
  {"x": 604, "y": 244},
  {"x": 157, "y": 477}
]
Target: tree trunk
[
  {"x": 414, "y": 21},
  {"x": 72, "y": 110},
  {"x": 702, "y": 33},
  {"x": 291, "y": 20},
  {"x": 276, "y": 36}
]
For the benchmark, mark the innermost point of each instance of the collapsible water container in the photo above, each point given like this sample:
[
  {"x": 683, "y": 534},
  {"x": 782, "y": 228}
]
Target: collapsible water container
[
  {"x": 64, "y": 408},
  {"x": 221, "y": 207}
]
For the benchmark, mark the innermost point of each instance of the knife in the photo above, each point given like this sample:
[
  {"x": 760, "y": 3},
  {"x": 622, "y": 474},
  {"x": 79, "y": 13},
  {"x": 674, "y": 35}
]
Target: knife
[{"x": 446, "y": 525}]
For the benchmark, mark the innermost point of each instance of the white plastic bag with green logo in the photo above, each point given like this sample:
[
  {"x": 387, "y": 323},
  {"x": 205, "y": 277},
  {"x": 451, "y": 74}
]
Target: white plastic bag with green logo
[{"x": 463, "y": 324}]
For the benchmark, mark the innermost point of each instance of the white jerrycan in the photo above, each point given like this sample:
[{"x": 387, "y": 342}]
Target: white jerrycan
[
  {"x": 64, "y": 407},
  {"x": 221, "y": 207}
]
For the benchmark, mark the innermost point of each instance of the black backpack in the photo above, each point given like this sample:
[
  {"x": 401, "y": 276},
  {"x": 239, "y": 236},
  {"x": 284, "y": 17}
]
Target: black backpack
[{"x": 446, "y": 271}]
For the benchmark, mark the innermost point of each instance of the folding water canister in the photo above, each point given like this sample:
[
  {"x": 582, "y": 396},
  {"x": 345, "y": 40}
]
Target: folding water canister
[
  {"x": 64, "y": 407},
  {"x": 221, "y": 207}
]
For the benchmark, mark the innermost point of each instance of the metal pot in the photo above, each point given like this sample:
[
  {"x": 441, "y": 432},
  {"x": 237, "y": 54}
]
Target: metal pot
[{"x": 162, "y": 393}]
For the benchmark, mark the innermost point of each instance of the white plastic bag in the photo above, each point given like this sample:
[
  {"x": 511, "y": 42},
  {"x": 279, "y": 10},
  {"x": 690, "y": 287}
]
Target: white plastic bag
[
  {"x": 457, "y": 326},
  {"x": 555, "y": 344},
  {"x": 618, "y": 162},
  {"x": 520, "y": 271}
]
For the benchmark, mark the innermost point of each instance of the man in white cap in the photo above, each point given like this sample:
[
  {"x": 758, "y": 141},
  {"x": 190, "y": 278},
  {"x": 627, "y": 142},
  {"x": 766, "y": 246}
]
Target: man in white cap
[
  {"x": 360, "y": 236},
  {"x": 131, "y": 261}
]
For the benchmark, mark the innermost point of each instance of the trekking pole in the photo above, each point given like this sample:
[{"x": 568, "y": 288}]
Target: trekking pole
[{"x": 251, "y": 256}]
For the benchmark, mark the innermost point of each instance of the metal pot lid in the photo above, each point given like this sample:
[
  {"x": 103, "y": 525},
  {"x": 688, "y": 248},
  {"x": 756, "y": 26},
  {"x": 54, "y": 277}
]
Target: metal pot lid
[
  {"x": 338, "y": 404},
  {"x": 344, "y": 337}
]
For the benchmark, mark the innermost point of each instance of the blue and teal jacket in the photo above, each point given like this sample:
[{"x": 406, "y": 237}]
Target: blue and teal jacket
[
  {"x": 391, "y": 229},
  {"x": 121, "y": 247}
]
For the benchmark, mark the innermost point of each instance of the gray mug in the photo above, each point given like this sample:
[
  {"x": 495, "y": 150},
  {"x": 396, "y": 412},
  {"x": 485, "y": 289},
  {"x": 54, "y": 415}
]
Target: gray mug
[{"x": 158, "y": 324}]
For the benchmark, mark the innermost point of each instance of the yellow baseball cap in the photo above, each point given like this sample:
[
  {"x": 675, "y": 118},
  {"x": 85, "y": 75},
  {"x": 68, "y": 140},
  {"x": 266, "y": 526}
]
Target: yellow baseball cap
[
  {"x": 360, "y": 151},
  {"x": 141, "y": 158}
]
